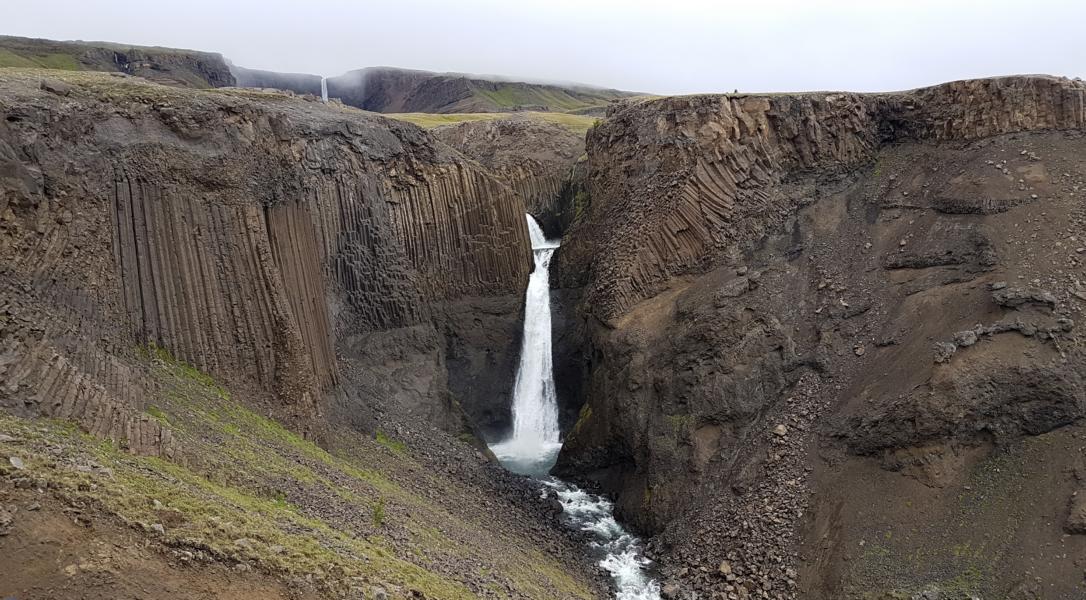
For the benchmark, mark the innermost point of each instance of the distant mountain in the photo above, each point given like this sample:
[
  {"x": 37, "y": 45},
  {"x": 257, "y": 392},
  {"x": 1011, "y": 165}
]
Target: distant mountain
[
  {"x": 171, "y": 66},
  {"x": 392, "y": 90},
  {"x": 377, "y": 89}
]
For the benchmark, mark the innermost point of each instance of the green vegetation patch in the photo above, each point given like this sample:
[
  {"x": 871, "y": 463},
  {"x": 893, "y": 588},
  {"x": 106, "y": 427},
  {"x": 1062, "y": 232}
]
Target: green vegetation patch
[
  {"x": 576, "y": 123},
  {"x": 249, "y": 490},
  {"x": 65, "y": 62}
]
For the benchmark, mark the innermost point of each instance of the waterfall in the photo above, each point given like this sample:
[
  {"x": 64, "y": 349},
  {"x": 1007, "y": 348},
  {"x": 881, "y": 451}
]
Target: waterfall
[
  {"x": 324, "y": 89},
  {"x": 535, "y": 441},
  {"x": 533, "y": 446}
]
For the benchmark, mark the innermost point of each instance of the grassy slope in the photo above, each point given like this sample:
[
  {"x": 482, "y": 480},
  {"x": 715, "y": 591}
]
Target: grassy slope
[
  {"x": 47, "y": 60},
  {"x": 556, "y": 99},
  {"x": 576, "y": 123},
  {"x": 250, "y": 491}
]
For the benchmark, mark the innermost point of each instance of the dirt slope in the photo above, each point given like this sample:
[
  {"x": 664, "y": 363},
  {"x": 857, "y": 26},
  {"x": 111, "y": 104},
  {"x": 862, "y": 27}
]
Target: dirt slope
[{"x": 833, "y": 339}]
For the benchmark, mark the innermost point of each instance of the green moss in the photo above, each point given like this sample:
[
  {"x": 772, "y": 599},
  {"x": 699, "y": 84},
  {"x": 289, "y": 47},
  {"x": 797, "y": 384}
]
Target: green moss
[
  {"x": 576, "y": 123},
  {"x": 157, "y": 414},
  {"x": 392, "y": 444},
  {"x": 580, "y": 203},
  {"x": 379, "y": 513},
  {"x": 583, "y": 418}
]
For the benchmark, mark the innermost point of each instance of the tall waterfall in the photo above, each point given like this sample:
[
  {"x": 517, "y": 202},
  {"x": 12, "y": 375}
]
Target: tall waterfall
[
  {"x": 534, "y": 444},
  {"x": 324, "y": 89}
]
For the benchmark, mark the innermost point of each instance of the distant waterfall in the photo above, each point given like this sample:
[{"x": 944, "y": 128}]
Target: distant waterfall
[
  {"x": 536, "y": 439},
  {"x": 534, "y": 444},
  {"x": 324, "y": 89}
]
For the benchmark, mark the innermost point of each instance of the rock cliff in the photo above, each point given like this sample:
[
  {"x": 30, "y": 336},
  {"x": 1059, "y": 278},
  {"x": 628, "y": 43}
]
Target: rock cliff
[
  {"x": 168, "y": 66},
  {"x": 537, "y": 159},
  {"x": 826, "y": 334},
  {"x": 268, "y": 242}
]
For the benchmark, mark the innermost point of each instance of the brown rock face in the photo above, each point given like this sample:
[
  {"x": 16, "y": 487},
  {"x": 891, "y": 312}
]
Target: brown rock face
[
  {"x": 282, "y": 246},
  {"x": 537, "y": 159},
  {"x": 679, "y": 182},
  {"x": 832, "y": 337}
]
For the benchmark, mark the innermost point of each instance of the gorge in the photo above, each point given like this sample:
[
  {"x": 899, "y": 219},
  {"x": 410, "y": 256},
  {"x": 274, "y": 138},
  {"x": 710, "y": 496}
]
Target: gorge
[
  {"x": 263, "y": 344},
  {"x": 533, "y": 445}
]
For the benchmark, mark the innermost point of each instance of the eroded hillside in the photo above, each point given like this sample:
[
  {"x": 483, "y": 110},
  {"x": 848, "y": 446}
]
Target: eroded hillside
[
  {"x": 832, "y": 339},
  {"x": 179, "y": 265}
]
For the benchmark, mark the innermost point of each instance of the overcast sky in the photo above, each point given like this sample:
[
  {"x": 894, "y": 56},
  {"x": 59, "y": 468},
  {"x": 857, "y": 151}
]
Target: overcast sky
[{"x": 667, "y": 46}]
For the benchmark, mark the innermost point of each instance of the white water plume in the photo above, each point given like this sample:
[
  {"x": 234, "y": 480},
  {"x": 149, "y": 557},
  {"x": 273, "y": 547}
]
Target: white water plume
[
  {"x": 533, "y": 446},
  {"x": 535, "y": 441}
]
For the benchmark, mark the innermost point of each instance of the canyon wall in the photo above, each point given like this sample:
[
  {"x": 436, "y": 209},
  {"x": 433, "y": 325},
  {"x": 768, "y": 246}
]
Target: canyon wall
[
  {"x": 312, "y": 255},
  {"x": 825, "y": 333},
  {"x": 168, "y": 66},
  {"x": 538, "y": 159}
]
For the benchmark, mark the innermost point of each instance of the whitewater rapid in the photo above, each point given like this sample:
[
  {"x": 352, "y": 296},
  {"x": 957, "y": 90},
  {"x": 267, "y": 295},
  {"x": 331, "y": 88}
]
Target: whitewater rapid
[{"x": 533, "y": 446}]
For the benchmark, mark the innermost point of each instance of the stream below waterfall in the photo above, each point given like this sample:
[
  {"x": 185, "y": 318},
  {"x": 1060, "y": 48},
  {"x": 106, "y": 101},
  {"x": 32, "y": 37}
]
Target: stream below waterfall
[{"x": 533, "y": 446}]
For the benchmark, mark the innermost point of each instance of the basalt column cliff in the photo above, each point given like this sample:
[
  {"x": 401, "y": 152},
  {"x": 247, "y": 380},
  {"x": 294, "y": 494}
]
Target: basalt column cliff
[
  {"x": 279, "y": 243},
  {"x": 176, "y": 266},
  {"x": 833, "y": 339}
]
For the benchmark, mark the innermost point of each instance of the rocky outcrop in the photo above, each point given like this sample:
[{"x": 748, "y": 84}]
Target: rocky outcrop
[
  {"x": 537, "y": 159},
  {"x": 168, "y": 66},
  {"x": 302, "y": 252},
  {"x": 823, "y": 327}
]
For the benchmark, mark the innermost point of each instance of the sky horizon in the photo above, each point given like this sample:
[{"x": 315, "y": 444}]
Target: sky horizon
[{"x": 689, "y": 46}]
